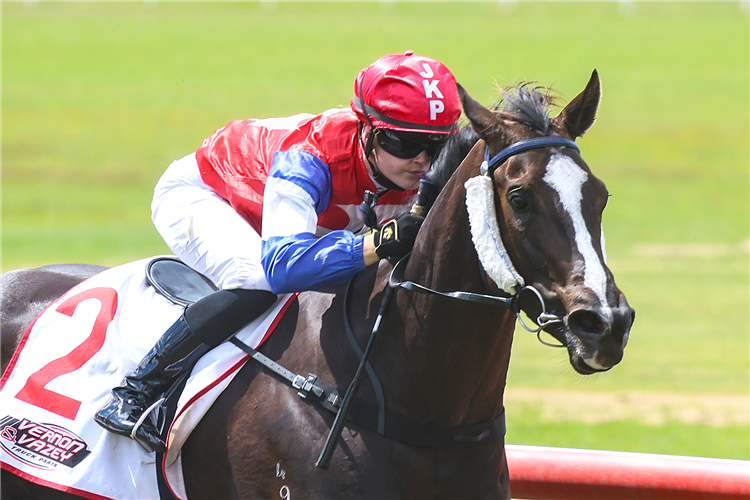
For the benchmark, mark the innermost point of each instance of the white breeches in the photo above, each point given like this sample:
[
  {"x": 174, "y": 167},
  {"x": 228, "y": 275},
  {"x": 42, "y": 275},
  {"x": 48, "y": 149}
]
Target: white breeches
[{"x": 204, "y": 231}]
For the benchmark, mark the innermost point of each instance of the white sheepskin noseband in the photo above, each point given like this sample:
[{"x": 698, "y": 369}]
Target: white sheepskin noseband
[{"x": 480, "y": 203}]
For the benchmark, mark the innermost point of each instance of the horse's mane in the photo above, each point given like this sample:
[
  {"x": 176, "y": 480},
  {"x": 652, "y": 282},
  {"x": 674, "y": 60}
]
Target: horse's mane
[{"x": 451, "y": 156}]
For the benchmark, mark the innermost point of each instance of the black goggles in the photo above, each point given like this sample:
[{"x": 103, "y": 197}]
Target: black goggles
[{"x": 407, "y": 145}]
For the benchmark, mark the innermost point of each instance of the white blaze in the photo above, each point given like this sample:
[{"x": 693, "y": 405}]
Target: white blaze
[{"x": 567, "y": 178}]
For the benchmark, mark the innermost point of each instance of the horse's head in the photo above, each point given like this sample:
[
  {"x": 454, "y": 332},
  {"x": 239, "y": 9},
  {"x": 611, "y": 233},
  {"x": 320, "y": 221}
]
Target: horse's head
[{"x": 549, "y": 207}]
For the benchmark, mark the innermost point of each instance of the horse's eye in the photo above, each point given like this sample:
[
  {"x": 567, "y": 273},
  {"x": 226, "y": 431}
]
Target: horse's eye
[{"x": 518, "y": 201}]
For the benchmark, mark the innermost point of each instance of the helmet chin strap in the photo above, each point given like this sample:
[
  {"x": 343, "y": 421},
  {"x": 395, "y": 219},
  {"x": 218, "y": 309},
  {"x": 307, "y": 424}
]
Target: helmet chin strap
[{"x": 377, "y": 175}]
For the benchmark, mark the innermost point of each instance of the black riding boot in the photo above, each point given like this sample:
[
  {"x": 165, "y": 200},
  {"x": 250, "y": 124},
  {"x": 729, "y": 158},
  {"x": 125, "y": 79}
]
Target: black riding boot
[
  {"x": 210, "y": 321},
  {"x": 142, "y": 388}
]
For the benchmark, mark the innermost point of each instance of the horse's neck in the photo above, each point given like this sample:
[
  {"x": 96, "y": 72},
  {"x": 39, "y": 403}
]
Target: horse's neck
[{"x": 448, "y": 359}]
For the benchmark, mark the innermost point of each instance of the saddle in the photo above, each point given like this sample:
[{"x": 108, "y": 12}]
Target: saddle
[
  {"x": 183, "y": 285},
  {"x": 176, "y": 281}
]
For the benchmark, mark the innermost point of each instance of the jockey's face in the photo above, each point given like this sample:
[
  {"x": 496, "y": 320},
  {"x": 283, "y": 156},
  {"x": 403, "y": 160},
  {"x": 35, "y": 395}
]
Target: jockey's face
[{"x": 405, "y": 173}]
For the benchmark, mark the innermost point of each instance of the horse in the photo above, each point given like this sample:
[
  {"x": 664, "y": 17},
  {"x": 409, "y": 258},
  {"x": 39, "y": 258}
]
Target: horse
[{"x": 439, "y": 362}]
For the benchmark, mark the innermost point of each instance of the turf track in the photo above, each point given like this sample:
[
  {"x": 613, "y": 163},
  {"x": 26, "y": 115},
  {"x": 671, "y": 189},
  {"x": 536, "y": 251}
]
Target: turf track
[{"x": 97, "y": 98}]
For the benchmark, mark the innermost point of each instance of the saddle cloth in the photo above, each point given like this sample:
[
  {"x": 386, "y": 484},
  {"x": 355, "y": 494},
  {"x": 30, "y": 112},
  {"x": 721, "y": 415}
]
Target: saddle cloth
[{"x": 71, "y": 356}]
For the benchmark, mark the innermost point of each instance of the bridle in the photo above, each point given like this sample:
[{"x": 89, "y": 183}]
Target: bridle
[
  {"x": 489, "y": 165},
  {"x": 512, "y": 303},
  {"x": 396, "y": 281},
  {"x": 487, "y": 169}
]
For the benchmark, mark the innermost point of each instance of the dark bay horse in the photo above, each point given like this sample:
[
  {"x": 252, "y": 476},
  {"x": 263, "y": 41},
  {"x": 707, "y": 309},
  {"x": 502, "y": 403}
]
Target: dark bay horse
[{"x": 440, "y": 362}]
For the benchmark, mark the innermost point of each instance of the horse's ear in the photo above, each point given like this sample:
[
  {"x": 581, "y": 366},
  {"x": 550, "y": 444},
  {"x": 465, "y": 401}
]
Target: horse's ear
[
  {"x": 483, "y": 121},
  {"x": 580, "y": 113}
]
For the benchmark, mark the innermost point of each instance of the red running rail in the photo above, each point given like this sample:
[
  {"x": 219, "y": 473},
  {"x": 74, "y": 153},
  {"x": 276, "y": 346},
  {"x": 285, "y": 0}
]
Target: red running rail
[{"x": 567, "y": 474}]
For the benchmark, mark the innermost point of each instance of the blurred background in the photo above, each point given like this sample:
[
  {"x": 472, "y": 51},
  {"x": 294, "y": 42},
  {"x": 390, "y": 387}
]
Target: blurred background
[{"x": 98, "y": 98}]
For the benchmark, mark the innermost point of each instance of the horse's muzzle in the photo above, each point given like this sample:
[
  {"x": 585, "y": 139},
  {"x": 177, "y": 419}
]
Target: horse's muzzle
[{"x": 602, "y": 334}]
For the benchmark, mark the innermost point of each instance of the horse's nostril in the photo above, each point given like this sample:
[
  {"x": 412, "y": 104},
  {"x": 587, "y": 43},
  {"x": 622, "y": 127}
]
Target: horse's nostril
[{"x": 586, "y": 322}]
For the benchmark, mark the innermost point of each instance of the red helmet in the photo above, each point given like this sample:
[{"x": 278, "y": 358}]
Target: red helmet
[{"x": 407, "y": 92}]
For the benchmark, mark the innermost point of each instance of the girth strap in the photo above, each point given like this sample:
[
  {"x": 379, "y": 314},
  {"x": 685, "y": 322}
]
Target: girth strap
[
  {"x": 399, "y": 427},
  {"x": 410, "y": 431}
]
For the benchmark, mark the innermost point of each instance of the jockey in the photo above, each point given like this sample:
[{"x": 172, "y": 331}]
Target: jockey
[{"x": 271, "y": 206}]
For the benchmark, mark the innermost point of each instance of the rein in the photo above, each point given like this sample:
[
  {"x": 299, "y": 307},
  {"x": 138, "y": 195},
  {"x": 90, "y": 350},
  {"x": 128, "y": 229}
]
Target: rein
[
  {"x": 512, "y": 303},
  {"x": 396, "y": 281}
]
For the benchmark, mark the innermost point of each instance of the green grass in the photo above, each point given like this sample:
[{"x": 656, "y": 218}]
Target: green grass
[
  {"x": 98, "y": 98},
  {"x": 671, "y": 439}
]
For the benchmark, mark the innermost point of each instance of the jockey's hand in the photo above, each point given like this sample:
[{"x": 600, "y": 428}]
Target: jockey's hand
[{"x": 396, "y": 237}]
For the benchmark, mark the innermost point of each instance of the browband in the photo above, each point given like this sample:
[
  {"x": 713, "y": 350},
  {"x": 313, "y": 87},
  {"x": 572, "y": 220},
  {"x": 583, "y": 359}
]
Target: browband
[{"x": 489, "y": 165}]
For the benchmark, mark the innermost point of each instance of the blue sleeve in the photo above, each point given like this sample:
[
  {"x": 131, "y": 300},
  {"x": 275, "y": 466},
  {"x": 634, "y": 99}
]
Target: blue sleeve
[
  {"x": 302, "y": 262},
  {"x": 307, "y": 171}
]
